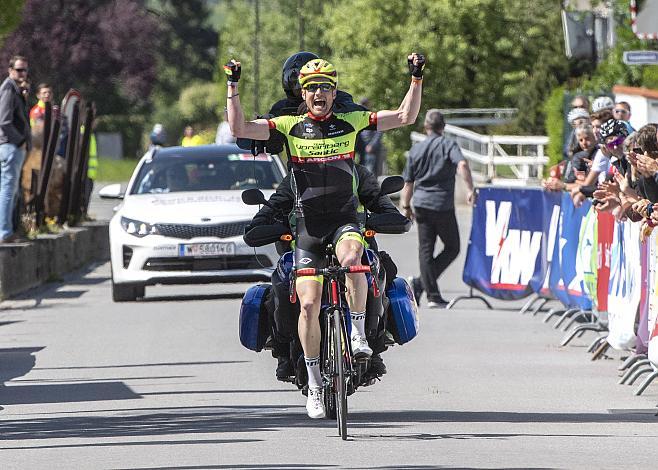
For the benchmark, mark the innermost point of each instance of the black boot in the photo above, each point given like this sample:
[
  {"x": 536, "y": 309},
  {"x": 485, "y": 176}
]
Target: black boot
[
  {"x": 284, "y": 369},
  {"x": 377, "y": 367}
]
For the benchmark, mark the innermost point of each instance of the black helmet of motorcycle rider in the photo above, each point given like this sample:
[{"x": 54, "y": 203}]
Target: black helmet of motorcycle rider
[{"x": 290, "y": 73}]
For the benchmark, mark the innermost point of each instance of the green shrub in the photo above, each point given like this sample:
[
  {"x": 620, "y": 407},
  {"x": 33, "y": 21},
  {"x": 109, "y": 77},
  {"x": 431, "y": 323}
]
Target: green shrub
[{"x": 554, "y": 112}]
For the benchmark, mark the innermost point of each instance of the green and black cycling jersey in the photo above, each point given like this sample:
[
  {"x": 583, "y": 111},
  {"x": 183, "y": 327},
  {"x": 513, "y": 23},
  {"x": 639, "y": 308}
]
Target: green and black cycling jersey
[{"x": 322, "y": 160}]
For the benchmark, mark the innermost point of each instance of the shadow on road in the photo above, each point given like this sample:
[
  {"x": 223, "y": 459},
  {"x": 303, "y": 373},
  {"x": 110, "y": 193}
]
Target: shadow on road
[
  {"x": 280, "y": 466},
  {"x": 65, "y": 393},
  {"x": 16, "y": 362},
  {"x": 157, "y": 364},
  {"x": 184, "y": 298},
  {"x": 247, "y": 419},
  {"x": 425, "y": 416}
]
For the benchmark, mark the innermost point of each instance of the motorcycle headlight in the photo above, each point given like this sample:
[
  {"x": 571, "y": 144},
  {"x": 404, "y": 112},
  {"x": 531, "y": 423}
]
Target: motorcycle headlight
[{"x": 138, "y": 228}]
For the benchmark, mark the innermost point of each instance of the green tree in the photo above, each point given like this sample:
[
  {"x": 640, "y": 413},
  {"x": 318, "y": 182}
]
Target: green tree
[
  {"x": 481, "y": 53},
  {"x": 10, "y": 17},
  {"x": 285, "y": 27}
]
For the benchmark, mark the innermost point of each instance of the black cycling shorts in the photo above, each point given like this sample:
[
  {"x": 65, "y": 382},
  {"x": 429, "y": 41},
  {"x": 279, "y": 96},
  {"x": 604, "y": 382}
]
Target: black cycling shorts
[{"x": 310, "y": 248}]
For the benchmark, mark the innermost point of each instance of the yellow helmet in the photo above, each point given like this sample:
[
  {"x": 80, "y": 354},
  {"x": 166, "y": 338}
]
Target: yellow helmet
[{"x": 319, "y": 71}]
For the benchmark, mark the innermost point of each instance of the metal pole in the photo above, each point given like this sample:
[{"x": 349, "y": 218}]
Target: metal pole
[
  {"x": 256, "y": 56},
  {"x": 300, "y": 16}
]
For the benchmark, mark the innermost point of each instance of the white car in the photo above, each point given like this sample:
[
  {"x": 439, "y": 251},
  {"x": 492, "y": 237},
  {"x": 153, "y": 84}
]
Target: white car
[{"x": 182, "y": 219}]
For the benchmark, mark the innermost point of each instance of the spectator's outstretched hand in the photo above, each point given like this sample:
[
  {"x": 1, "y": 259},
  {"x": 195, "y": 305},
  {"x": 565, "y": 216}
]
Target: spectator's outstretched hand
[
  {"x": 553, "y": 184},
  {"x": 611, "y": 187},
  {"x": 578, "y": 198},
  {"x": 646, "y": 165}
]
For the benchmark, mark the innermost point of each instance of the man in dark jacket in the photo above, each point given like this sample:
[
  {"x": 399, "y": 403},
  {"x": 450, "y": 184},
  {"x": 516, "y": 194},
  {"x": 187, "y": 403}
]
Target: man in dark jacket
[
  {"x": 14, "y": 142},
  {"x": 282, "y": 204}
]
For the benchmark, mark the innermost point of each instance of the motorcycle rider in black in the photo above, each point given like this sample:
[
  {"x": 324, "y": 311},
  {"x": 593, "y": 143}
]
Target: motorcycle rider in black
[{"x": 282, "y": 314}]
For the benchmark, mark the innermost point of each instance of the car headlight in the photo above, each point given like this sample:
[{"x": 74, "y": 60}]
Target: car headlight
[{"x": 138, "y": 228}]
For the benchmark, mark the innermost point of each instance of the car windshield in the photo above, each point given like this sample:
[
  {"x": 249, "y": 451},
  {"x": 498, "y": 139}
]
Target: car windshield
[{"x": 177, "y": 173}]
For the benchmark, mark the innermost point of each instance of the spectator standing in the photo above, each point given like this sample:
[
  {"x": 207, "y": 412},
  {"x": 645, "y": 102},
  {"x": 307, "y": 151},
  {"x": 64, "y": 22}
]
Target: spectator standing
[
  {"x": 15, "y": 139},
  {"x": 370, "y": 146},
  {"x": 190, "y": 138},
  {"x": 38, "y": 111},
  {"x": 430, "y": 177},
  {"x": 158, "y": 136},
  {"x": 622, "y": 112},
  {"x": 576, "y": 117},
  {"x": 32, "y": 164},
  {"x": 224, "y": 135}
]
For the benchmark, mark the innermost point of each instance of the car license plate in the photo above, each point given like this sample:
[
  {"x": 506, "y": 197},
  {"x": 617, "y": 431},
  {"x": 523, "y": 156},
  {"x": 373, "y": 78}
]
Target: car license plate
[{"x": 206, "y": 249}]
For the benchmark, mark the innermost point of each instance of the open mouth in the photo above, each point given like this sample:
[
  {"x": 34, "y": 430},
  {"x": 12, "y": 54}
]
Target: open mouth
[{"x": 319, "y": 103}]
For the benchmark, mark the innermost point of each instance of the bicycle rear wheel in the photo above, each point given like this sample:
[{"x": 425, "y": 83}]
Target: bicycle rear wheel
[{"x": 339, "y": 378}]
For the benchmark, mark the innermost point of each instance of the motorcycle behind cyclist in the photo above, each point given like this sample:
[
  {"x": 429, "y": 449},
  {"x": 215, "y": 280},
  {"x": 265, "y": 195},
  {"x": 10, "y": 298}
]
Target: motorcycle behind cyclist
[{"x": 321, "y": 144}]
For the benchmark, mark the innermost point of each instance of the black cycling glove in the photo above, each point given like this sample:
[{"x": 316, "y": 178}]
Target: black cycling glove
[
  {"x": 232, "y": 69},
  {"x": 416, "y": 70}
]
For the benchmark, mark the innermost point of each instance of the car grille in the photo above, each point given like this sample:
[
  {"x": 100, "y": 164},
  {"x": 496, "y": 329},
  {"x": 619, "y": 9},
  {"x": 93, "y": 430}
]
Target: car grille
[
  {"x": 225, "y": 230},
  {"x": 214, "y": 263}
]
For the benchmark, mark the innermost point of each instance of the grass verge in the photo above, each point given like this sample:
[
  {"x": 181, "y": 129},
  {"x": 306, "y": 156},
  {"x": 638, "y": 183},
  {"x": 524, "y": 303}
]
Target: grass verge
[{"x": 110, "y": 170}]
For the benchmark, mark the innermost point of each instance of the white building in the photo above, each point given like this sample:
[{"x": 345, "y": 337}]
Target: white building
[{"x": 643, "y": 101}]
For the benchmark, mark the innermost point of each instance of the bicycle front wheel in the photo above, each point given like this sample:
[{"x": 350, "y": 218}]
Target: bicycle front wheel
[{"x": 340, "y": 345}]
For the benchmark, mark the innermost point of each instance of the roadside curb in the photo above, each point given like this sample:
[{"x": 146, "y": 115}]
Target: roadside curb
[{"x": 24, "y": 266}]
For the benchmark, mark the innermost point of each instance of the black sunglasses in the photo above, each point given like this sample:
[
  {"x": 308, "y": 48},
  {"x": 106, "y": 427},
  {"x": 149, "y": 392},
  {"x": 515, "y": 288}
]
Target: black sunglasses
[
  {"x": 19, "y": 70},
  {"x": 313, "y": 87}
]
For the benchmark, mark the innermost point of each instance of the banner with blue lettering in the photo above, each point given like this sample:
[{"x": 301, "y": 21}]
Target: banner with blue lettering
[
  {"x": 507, "y": 255},
  {"x": 567, "y": 281}
]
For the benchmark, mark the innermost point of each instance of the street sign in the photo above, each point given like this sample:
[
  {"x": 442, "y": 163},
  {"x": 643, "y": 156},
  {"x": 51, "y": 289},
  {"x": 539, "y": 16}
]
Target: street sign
[{"x": 641, "y": 57}]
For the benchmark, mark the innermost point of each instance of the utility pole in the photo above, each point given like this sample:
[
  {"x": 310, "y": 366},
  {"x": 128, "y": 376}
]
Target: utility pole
[
  {"x": 300, "y": 16},
  {"x": 256, "y": 56}
]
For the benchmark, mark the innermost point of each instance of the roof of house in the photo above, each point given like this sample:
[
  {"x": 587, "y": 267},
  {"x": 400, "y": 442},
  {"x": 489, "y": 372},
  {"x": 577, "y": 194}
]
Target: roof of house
[{"x": 637, "y": 91}]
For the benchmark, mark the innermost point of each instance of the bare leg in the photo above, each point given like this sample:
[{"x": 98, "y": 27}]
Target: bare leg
[
  {"x": 349, "y": 253},
  {"x": 309, "y": 293}
]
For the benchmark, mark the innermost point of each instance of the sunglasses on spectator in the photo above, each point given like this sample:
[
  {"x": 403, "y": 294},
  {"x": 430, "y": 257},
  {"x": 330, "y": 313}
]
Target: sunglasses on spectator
[
  {"x": 622, "y": 111},
  {"x": 615, "y": 143},
  {"x": 19, "y": 70},
  {"x": 313, "y": 87}
]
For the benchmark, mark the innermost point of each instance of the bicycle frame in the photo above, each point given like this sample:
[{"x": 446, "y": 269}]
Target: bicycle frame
[{"x": 337, "y": 366}]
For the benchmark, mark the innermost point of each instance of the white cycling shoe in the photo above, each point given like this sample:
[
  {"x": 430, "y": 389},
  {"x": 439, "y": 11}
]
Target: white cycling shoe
[
  {"x": 315, "y": 403},
  {"x": 360, "y": 347}
]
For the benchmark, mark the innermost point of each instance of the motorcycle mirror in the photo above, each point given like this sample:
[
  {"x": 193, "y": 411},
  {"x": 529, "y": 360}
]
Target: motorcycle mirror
[
  {"x": 253, "y": 197},
  {"x": 392, "y": 184}
]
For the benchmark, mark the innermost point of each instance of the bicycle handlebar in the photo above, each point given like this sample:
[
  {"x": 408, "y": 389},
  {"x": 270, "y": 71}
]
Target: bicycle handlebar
[{"x": 332, "y": 270}]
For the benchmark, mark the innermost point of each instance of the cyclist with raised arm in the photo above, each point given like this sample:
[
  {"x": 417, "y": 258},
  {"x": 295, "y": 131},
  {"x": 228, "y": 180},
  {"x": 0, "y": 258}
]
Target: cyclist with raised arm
[{"x": 321, "y": 144}]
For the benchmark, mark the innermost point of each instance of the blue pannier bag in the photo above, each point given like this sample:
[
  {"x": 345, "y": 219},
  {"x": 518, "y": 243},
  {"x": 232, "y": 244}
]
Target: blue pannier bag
[
  {"x": 403, "y": 318},
  {"x": 254, "y": 324}
]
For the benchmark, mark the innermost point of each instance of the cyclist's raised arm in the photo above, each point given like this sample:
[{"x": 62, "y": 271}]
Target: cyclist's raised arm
[
  {"x": 408, "y": 110},
  {"x": 257, "y": 129}
]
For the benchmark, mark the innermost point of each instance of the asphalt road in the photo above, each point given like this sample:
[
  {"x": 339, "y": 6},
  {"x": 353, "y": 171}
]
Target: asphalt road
[{"x": 164, "y": 383}]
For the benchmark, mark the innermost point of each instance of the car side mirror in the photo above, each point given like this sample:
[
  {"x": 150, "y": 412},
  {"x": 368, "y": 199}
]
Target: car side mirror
[
  {"x": 253, "y": 197},
  {"x": 392, "y": 184},
  {"x": 111, "y": 191}
]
